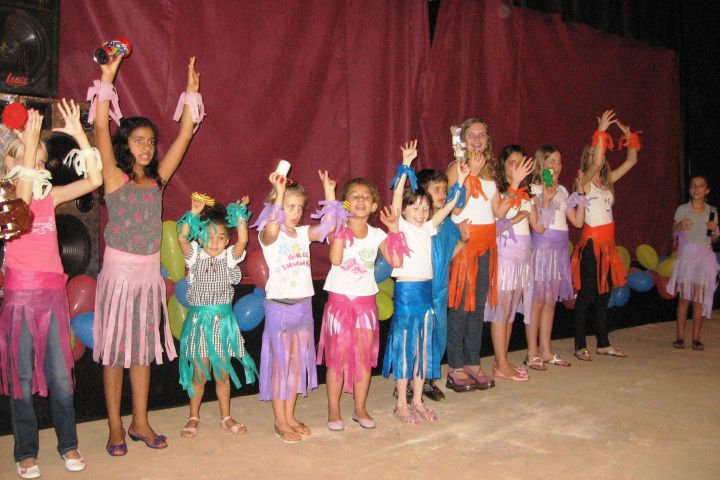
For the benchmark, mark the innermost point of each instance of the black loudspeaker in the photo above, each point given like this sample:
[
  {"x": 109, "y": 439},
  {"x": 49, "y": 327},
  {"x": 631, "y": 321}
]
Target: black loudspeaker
[{"x": 29, "y": 43}]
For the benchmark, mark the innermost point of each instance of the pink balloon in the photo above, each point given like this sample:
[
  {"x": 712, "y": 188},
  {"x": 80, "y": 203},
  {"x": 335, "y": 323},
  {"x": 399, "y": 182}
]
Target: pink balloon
[
  {"x": 81, "y": 294},
  {"x": 661, "y": 284},
  {"x": 78, "y": 349},
  {"x": 257, "y": 268},
  {"x": 169, "y": 288},
  {"x": 570, "y": 304}
]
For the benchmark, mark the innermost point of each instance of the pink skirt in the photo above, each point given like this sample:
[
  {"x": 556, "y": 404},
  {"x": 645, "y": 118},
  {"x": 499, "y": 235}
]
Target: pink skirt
[
  {"x": 515, "y": 280},
  {"x": 694, "y": 275},
  {"x": 349, "y": 337},
  {"x": 33, "y": 297},
  {"x": 129, "y": 308}
]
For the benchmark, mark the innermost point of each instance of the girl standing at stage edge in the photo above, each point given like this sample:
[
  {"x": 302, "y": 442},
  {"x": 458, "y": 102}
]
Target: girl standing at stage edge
[
  {"x": 210, "y": 335},
  {"x": 287, "y": 359},
  {"x": 596, "y": 265},
  {"x": 35, "y": 354},
  {"x": 550, "y": 254},
  {"x": 695, "y": 271},
  {"x": 131, "y": 293}
]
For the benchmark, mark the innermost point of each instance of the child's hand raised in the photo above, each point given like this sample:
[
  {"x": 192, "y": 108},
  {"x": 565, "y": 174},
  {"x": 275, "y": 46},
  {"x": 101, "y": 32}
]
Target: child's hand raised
[
  {"x": 328, "y": 183},
  {"x": 521, "y": 170},
  {"x": 196, "y": 205},
  {"x": 30, "y": 134},
  {"x": 607, "y": 119},
  {"x": 110, "y": 69},
  {"x": 193, "y": 80},
  {"x": 244, "y": 200},
  {"x": 409, "y": 152},
  {"x": 71, "y": 116},
  {"x": 463, "y": 171},
  {"x": 625, "y": 129},
  {"x": 390, "y": 217},
  {"x": 279, "y": 182}
]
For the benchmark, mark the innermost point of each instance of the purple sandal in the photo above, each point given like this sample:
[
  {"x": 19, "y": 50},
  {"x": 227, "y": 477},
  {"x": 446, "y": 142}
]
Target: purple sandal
[{"x": 157, "y": 442}]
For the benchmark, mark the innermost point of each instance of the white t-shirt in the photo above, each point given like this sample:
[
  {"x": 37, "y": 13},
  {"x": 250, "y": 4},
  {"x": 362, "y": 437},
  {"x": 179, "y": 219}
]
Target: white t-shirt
[
  {"x": 355, "y": 276},
  {"x": 288, "y": 260},
  {"x": 419, "y": 239},
  {"x": 560, "y": 199},
  {"x": 478, "y": 210},
  {"x": 600, "y": 210}
]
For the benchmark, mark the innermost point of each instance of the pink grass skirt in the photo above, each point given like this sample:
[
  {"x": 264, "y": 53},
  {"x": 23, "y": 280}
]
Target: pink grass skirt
[
  {"x": 129, "y": 308},
  {"x": 349, "y": 338},
  {"x": 694, "y": 275},
  {"x": 33, "y": 297}
]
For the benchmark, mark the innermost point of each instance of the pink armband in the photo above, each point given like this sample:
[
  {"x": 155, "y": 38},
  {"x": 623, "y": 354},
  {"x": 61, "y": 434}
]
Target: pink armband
[
  {"x": 197, "y": 109},
  {"x": 396, "y": 244},
  {"x": 346, "y": 234},
  {"x": 101, "y": 92}
]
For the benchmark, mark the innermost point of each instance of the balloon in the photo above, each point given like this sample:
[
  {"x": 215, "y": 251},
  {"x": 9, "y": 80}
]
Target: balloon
[
  {"x": 647, "y": 256},
  {"x": 81, "y": 294},
  {"x": 169, "y": 288},
  {"x": 624, "y": 255},
  {"x": 571, "y": 248},
  {"x": 164, "y": 272},
  {"x": 257, "y": 268},
  {"x": 384, "y": 304},
  {"x": 181, "y": 289},
  {"x": 633, "y": 269},
  {"x": 382, "y": 269},
  {"x": 250, "y": 310},
  {"x": 82, "y": 325},
  {"x": 171, "y": 256},
  {"x": 661, "y": 284},
  {"x": 674, "y": 254},
  {"x": 570, "y": 303},
  {"x": 387, "y": 286},
  {"x": 640, "y": 281},
  {"x": 177, "y": 314},
  {"x": 619, "y": 296},
  {"x": 662, "y": 258},
  {"x": 665, "y": 268},
  {"x": 78, "y": 348}
]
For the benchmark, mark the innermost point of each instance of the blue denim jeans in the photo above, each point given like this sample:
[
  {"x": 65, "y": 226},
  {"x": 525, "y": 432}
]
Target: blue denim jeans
[{"x": 22, "y": 414}]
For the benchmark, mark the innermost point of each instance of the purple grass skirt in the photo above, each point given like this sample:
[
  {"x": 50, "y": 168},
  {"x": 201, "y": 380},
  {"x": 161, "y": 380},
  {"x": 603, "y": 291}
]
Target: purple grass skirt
[
  {"x": 349, "y": 338},
  {"x": 287, "y": 359},
  {"x": 515, "y": 280},
  {"x": 694, "y": 275},
  {"x": 129, "y": 308},
  {"x": 35, "y": 298},
  {"x": 551, "y": 266}
]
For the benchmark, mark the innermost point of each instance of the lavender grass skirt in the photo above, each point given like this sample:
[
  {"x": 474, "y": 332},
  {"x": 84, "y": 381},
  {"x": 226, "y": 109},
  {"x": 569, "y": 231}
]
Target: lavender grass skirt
[
  {"x": 515, "y": 280},
  {"x": 551, "y": 266},
  {"x": 287, "y": 359},
  {"x": 694, "y": 275},
  {"x": 129, "y": 308}
]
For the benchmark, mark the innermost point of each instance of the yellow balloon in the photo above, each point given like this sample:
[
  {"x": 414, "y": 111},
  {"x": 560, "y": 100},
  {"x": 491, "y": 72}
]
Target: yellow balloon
[
  {"x": 571, "y": 248},
  {"x": 666, "y": 267},
  {"x": 674, "y": 254},
  {"x": 72, "y": 338},
  {"x": 387, "y": 286},
  {"x": 384, "y": 304},
  {"x": 624, "y": 255},
  {"x": 647, "y": 256},
  {"x": 170, "y": 255},
  {"x": 177, "y": 314}
]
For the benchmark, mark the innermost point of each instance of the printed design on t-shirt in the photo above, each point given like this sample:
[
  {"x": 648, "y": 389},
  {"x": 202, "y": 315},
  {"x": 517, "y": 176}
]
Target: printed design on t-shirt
[
  {"x": 294, "y": 260},
  {"x": 42, "y": 227},
  {"x": 360, "y": 265}
]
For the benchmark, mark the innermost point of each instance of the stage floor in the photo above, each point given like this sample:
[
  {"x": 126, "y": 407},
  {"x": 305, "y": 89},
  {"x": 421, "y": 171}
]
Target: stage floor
[{"x": 653, "y": 415}]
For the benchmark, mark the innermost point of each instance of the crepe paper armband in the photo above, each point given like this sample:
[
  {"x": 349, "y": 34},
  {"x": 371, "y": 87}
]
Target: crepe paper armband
[
  {"x": 454, "y": 191},
  {"x": 603, "y": 139},
  {"x": 203, "y": 197},
  {"x": 198, "y": 229},
  {"x": 237, "y": 211},
  {"x": 76, "y": 158},
  {"x": 197, "y": 110},
  {"x": 396, "y": 245},
  {"x": 331, "y": 215},
  {"x": 100, "y": 92},
  {"x": 515, "y": 197},
  {"x": 576, "y": 199},
  {"x": 408, "y": 170},
  {"x": 633, "y": 141},
  {"x": 344, "y": 233},
  {"x": 505, "y": 225},
  {"x": 40, "y": 180},
  {"x": 270, "y": 214}
]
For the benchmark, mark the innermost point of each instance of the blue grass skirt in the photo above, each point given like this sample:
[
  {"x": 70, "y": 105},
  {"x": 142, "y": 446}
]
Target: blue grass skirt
[{"x": 409, "y": 346}]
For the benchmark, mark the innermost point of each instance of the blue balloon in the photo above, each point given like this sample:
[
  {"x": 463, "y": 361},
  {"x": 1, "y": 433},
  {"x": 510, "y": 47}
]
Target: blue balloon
[
  {"x": 382, "y": 269},
  {"x": 250, "y": 310},
  {"x": 640, "y": 281},
  {"x": 619, "y": 296},
  {"x": 164, "y": 272},
  {"x": 662, "y": 258},
  {"x": 181, "y": 289},
  {"x": 82, "y": 325}
]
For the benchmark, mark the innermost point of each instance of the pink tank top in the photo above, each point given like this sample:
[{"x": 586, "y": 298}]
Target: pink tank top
[{"x": 37, "y": 250}]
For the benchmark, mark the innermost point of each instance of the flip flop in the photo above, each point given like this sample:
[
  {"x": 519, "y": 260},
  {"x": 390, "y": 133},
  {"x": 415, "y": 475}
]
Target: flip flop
[
  {"x": 536, "y": 363},
  {"x": 613, "y": 352},
  {"x": 558, "y": 360},
  {"x": 583, "y": 355}
]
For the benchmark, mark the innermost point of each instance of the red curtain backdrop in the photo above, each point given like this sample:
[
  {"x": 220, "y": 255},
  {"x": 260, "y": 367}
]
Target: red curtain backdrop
[
  {"x": 340, "y": 85},
  {"x": 537, "y": 80}
]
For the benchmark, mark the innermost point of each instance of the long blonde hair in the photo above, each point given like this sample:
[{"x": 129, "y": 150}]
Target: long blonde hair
[
  {"x": 605, "y": 172},
  {"x": 16, "y": 149},
  {"x": 489, "y": 170},
  {"x": 541, "y": 154}
]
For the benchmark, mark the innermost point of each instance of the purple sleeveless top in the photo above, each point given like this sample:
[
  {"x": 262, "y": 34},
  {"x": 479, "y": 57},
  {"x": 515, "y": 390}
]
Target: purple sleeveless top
[{"x": 134, "y": 219}]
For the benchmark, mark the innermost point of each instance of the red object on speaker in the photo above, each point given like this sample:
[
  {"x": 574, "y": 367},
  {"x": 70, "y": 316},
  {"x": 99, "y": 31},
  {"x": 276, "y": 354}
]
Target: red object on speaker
[{"x": 14, "y": 116}]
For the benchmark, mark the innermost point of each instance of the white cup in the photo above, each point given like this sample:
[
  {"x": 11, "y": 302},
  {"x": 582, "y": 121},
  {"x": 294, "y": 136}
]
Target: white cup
[{"x": 283, "y": 168}]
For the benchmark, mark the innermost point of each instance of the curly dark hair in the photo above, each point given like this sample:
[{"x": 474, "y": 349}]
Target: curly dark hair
[
  {"x": 121, "y": 147},
  {"x": 216, "y": 214},
  {"x": 374, "y": 192}
]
